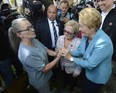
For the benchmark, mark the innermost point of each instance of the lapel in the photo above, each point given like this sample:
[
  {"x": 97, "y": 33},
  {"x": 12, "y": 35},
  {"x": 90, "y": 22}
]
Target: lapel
[{"x": 91, "y": 45}]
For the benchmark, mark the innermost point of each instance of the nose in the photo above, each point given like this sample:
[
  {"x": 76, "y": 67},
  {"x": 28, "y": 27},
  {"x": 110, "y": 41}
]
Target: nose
[{"x": 32, "y": 29}]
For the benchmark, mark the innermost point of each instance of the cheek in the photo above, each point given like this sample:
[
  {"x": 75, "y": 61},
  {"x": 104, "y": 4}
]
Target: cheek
[
  {"x": 66, "y": 35},
  {"x": 84, "y": 32}
]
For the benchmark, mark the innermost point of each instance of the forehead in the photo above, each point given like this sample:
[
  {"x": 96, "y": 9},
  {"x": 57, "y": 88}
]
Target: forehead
[
  {"x": 52, "y": 9},
  {"x": 64, "y": 4},
  {"x": 24, "y": 24},
  {"x": 69, "y": 28}
]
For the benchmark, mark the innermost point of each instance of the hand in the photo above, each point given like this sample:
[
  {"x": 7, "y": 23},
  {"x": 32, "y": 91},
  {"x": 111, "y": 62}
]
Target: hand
[
  {"x": 59, "y": 54},
  {"x": 68, "y": 56},
  {"x": 63, "y": 51},
  {"x": 65, "y": 19}
]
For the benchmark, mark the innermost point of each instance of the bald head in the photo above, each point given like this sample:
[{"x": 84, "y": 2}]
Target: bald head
[
  {"x": 52, "y": 7},
  {"x": 52, "y": 12}
]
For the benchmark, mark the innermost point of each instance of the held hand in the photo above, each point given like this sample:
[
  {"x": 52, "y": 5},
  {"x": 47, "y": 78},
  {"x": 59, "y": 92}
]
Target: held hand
[
  {"x": 59, "y": 54},
  {"x": 68, "y": 56},
  {"x": 63, "y": 51},
  {"x": 65, "y": 19}
]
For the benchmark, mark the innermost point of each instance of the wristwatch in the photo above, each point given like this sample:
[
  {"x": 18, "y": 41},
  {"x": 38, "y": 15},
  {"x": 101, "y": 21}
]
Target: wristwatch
[{"x": 71, "y": 59}]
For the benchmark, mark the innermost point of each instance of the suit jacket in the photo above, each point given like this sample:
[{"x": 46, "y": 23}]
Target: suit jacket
[
  {"x": 96, "y": 59},
  {"x": 43, "y": 32},
  {"x": 109, "y": 26}
]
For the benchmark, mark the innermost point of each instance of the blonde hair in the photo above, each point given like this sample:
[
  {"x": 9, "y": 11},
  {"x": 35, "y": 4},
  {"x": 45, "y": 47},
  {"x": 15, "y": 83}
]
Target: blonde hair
[
  {"x": 74, "y": 25},
  {"x": 90, "y": 17}
]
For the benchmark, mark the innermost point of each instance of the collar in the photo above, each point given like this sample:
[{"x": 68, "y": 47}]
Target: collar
[
  {"x": 51, "y": 21},
  {"x": 113, "y": 6}
]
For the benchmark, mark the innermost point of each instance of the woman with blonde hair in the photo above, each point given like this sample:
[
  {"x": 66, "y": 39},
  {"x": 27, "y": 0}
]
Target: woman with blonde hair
[{"x": 94, "y": 53}]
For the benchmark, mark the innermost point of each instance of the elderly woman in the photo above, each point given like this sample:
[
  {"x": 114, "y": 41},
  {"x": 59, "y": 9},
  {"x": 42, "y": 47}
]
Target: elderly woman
[
  {"x": 94, "y": 53},
  {"x": 32, "y": 54},
  {"x": 70, "y": 41}
]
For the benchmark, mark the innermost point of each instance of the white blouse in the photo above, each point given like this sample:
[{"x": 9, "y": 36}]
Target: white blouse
[{"x": 70, "y": 67}]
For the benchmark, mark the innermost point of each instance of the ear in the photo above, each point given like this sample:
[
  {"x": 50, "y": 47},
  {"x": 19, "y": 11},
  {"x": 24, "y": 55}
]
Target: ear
[{"x": 18, "y": 34}]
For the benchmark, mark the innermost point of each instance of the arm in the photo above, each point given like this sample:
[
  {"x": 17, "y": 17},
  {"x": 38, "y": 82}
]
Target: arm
[
  {"x": 95, "y": 57},
  {"x": 38, "y": 63},
  {"x": 51, "y": 64},
  {"x": 51, "y": 52}
]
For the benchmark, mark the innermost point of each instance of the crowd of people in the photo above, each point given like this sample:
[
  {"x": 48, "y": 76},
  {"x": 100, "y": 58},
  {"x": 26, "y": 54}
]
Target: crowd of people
[{"x": 64, "y": 38}]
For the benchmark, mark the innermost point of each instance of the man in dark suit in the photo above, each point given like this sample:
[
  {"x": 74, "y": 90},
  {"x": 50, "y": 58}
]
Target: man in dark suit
[
  {"x": 45, "y": 33},
  {"x": 108, "y": 12},
  {"x": 44, "y": 29}
]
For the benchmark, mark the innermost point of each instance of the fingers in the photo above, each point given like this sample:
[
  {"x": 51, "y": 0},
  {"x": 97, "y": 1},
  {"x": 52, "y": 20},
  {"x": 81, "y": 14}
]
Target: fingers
[{"x": 63, "y": 51}]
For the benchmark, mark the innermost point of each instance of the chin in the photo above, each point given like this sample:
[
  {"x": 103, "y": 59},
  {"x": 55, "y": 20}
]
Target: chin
[
  {"x": 34, "y": 36},
  {"x": 68, "y": 37}
]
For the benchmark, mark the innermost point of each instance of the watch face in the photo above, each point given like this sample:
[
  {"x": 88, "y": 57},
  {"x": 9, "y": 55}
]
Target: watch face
[{"x": 71, "y": 59}]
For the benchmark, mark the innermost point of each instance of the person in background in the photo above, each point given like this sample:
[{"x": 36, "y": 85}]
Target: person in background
[
  {"x": 7, "y": 16},
  {"x": 32, "y": 54},
  {"x": 94, "y": 53},
  {"x": 70, "y": 41},
  {"x": 71, "y": 2},
  {"x": 108, "y": 13},
  {"x": 89, "y": 4},
  {"x": 5, "y": 62},
  {"x": 64, "y": 15}
]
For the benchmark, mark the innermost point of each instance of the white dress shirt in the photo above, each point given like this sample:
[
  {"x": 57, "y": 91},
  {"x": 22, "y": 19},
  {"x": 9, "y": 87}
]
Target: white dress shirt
[{"x": 52, "y": 32}]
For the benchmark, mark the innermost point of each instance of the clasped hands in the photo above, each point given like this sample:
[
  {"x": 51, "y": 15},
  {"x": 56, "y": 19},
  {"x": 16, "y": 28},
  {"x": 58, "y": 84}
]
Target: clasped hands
[{"x": 65, "y": 53}]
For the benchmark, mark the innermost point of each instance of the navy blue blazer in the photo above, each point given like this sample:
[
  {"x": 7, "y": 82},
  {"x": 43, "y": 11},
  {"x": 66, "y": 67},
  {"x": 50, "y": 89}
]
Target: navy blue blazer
[{"x": 43, "y": 32}]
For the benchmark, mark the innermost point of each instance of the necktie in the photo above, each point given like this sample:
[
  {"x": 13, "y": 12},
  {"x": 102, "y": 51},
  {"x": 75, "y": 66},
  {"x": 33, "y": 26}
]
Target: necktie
[{"x": 55, "y": 33}]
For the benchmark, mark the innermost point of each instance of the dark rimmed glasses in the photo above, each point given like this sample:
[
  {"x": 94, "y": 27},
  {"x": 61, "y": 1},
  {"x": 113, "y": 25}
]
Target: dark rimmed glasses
[
  {"x": 69, "y": 33},
  {"x": 29, "y": 28}
]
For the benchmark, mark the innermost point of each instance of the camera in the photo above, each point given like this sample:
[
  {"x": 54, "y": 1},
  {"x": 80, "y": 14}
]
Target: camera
[{"x": 36, "y": 10}]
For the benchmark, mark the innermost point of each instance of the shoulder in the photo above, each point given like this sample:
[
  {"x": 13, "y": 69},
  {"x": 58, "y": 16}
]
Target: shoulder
[
  {"x": 60, "y": 40},
  {"x": 61, "y": 37},
  {"x": 102, "y": 37},
  {"x": 38, "y": 43},
  {"x": 23, "y": 52},
  {"x": 41, "y": 21}
]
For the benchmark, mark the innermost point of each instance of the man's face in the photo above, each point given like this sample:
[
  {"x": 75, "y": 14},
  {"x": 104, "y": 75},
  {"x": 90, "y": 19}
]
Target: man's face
[
  {"x": 105, "y": 5},
  {"x": 64, "y": 8},
  {"x": 52, "y": 13}
]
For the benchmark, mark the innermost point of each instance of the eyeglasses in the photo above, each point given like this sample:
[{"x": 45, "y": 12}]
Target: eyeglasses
[
  {"x": 29, "y": 28},
  {"x": 69, "y": 33}
]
